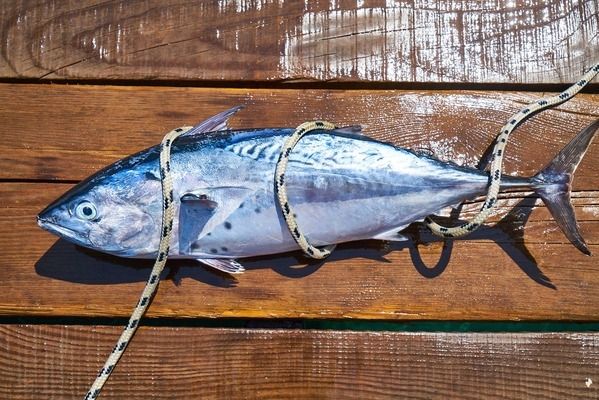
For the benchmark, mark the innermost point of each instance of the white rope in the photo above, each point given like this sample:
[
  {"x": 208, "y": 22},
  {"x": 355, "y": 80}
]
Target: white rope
[{"x": 168, "y": 216}]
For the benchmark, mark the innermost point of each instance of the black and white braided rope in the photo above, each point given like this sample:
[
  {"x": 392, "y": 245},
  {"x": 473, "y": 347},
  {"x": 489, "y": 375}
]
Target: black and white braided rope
[
  {"x": 168, "y": 216},
  {"x": 499, "y": 152},
  {"x": 281, "y": 188}
]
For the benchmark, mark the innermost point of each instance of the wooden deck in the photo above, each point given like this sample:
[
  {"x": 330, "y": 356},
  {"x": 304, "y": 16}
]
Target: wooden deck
[{"x": 83, "y": 84}]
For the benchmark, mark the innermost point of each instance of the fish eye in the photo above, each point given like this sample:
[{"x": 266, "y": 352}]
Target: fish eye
[{"x": 86, "y": 210}]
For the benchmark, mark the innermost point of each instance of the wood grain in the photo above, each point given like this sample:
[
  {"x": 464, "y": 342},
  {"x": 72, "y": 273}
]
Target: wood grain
[
  {"x": 504, "y": 41},
  {"x": 502, "y": 273},
  {"x": 64, "y": 132},
  {"x": 57, "y": 362}
]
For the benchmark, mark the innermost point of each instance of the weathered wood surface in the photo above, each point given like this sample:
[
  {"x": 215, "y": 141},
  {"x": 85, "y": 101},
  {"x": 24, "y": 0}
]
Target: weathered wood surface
[
  {"x": 64, "y": 132},
  {"x": 57, "y": 362},
  {"x": 522, "y": 41}
]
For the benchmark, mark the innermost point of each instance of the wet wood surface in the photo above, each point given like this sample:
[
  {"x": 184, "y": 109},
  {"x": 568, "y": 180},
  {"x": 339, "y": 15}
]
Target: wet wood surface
[
  {"x": 58, "y": 362},
  {"x": 524, "y": 268},
  {"x": 502, "y": 41},
  {"x": 288, "y": 62}
]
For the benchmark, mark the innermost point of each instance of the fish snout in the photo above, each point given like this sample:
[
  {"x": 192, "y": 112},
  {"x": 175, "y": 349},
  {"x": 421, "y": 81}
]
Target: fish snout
[{"x": 45, "y": 217}]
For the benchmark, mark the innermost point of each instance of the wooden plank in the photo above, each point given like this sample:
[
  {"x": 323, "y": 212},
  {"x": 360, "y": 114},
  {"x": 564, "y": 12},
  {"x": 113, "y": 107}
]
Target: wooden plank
[
  {"x": 503, "y": 41},
  {"x": 57, "y": 362},
  {"x": 500, "y": 273},
  {"x": 68, "y": 132}
]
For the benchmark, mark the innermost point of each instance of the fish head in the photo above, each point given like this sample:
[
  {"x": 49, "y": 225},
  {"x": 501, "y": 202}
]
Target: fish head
[{"x": 112, "y": 212}]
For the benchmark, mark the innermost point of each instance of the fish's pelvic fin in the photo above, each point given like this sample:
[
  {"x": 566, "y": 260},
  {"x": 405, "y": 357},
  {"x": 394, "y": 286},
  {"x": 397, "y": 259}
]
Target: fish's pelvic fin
[
  {"x": 227, "y": 265},
  {"x": 554, "y": 182},
  {"x": 218, "y": 122},
  {"x": 392, "y": 235}
]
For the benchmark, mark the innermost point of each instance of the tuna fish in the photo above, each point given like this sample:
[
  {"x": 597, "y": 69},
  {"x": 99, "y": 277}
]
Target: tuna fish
[{"x": 343, "y": 186}]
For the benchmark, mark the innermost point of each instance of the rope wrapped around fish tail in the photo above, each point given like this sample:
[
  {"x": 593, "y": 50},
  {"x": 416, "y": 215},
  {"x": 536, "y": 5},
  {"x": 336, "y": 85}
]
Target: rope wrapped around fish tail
[
  {"x": 281, "y": 188},
  {"x": 498, "y": 154},
  {"x": 168, "y": 216}
]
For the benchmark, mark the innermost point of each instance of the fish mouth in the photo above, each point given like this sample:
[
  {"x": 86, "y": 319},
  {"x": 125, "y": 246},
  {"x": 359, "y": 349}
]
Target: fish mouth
[{"x": 63, "y": 232}]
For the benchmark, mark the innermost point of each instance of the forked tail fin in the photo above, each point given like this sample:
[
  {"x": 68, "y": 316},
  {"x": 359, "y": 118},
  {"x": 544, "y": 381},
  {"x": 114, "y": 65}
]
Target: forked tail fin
[{"x": 554, "y": 182}]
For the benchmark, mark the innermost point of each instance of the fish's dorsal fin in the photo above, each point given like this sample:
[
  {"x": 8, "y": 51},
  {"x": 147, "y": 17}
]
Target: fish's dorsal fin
[
  {"x": 227, "y": 265},
  {"x": 218, "y": 122}
]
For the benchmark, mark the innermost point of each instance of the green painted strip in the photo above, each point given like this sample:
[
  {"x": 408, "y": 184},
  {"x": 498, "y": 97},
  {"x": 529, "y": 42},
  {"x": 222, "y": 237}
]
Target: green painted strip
[{"x": 341, "y": 325}]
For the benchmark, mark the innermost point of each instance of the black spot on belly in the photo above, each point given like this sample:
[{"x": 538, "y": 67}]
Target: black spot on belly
[
  {"x": 195, "y": 246},
  {"x": 257, "y": 210},
  {"x": 241, "y": 205},
  {"x": 224, "y": 248},
  {"x": 228, "y": 225},
  {"x": 213, "y": 251}
]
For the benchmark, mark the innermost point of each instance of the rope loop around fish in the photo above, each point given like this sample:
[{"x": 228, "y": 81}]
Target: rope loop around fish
[
  {"x": 281, "y": 189},
  {"x": 168, "y": 215},
  {"x": 499, "y": 152}
]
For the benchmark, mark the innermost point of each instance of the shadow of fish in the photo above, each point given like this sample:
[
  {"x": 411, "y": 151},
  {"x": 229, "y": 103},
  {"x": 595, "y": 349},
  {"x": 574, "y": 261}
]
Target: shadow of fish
[{"x": 344, "y": 187}]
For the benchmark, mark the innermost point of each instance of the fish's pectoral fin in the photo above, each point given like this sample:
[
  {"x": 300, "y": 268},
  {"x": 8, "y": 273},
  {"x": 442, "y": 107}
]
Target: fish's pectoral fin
[
  {"x": 207, "y": 209},
  {"x": 227, "y": 265},
  {"x": 195, "y": 212},
  {"x": 228, "y": 198},
  {"x": 392, "y": 235},
  {"x": 200, "y": 198},
  {"x": 218, "y": 122}
]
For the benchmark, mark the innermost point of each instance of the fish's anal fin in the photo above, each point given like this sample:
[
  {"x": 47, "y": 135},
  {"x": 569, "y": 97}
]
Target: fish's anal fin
[
  {"x": 351, "y": 129},
  {"x": 227, "y": 265},
  {"x": 218, "y": 122},
  {"x": 392, "y": 235}
]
